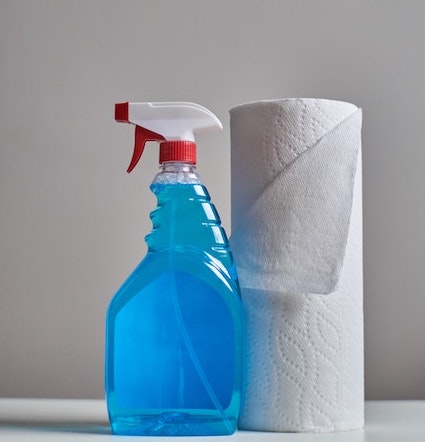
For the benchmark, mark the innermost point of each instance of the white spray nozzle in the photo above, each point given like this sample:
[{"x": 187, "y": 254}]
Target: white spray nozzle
[{"x": 165, "y": 122}]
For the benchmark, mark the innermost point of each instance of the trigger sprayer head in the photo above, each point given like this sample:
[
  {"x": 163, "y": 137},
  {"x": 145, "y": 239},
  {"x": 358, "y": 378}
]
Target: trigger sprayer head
[{"x": 171, "y": 124}]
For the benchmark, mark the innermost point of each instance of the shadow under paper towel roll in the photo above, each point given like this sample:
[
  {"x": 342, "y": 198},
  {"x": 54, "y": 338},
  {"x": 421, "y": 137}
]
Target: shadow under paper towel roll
[{"x": 297, "y": 242}]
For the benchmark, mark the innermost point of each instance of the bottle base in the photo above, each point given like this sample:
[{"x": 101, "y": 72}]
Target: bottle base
[{"x": 173, "y": 423}]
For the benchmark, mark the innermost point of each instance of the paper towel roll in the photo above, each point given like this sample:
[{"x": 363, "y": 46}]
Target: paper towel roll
[{"x": 297, "y": 241}]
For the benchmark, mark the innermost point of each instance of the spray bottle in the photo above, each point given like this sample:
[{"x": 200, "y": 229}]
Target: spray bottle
[{"x": 174, "y": 328}]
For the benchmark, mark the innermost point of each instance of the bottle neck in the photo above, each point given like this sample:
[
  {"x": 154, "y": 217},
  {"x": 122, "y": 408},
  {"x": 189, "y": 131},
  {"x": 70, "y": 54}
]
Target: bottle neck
[
  {"x": 177, "y": 167},
  {"x": 177, "y": 172}
]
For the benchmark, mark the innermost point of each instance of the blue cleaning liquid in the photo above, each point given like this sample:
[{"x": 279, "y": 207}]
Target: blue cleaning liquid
[{"x": 173, "y": 363}]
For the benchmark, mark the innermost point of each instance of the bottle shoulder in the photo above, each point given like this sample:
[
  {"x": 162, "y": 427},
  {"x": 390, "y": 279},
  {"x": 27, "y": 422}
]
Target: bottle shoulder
[{"x": 185, "y": 216}]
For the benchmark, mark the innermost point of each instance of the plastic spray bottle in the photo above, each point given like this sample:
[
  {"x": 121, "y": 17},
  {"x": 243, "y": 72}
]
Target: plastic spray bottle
[{"x": 174, "y": 328}]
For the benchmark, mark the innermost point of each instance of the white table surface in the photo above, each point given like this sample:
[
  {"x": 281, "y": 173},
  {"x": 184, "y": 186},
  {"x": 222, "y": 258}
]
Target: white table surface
[{"x": 80, "y": 420}]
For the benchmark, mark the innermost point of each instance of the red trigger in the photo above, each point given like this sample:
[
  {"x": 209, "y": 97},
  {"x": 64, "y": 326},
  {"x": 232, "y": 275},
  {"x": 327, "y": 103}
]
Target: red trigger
[{"x": 141, "y": 137}]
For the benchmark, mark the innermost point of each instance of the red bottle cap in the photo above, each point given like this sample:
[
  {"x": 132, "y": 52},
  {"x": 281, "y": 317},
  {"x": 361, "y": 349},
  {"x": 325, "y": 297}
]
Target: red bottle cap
[{"x": 177, "y": 150}]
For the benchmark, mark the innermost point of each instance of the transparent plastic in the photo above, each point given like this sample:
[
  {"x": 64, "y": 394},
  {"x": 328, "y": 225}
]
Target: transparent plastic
[{"x": 174, "y": 328}]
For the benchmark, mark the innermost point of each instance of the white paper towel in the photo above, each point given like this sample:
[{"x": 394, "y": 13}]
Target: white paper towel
[{"x": 297, "y": 241}]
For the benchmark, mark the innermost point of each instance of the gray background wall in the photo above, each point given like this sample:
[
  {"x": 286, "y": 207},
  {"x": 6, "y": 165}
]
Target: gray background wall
[{"x": 72, "y": 221}]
